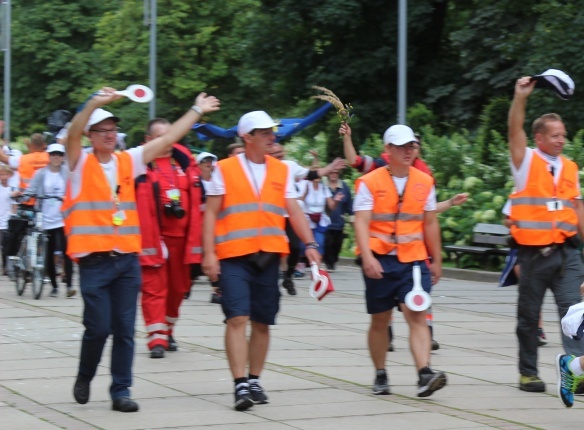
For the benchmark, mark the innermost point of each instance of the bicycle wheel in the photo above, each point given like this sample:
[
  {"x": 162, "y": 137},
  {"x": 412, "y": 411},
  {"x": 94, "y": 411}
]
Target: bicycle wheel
[
  {"x": 38, "y": 271},
  {"x": 19, "y": 280},
  {"x": 18, "y": 268}
]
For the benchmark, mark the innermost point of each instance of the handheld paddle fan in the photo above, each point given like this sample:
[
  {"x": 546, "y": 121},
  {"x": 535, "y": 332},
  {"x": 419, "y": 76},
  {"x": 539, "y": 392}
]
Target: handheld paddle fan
[
  {"x": 137, "y": 93},
  {"x": 321, "y": 283},
  {"x": 418, "y": 300}
]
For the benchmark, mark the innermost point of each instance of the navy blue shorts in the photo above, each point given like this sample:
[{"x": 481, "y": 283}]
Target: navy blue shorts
[
  {"x": 383, "y": 294},
  {"x": 248, "y": 291}
]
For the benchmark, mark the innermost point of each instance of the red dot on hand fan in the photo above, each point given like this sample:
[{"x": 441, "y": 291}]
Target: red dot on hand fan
[
  {"x": 418, "y": 300},
  {"x": 140, "y": 93}
]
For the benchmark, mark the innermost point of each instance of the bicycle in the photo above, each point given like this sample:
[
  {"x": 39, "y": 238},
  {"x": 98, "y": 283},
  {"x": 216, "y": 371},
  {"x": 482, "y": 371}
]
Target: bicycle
[{"x": 29, "y": 263}]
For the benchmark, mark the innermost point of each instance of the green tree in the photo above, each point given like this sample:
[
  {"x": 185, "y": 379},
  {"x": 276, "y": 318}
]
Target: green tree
[{"x": 52, "y": 57}]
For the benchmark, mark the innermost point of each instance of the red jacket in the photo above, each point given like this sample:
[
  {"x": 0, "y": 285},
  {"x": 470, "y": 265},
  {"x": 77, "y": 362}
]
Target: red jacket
[{"x": 150, "y": 207}]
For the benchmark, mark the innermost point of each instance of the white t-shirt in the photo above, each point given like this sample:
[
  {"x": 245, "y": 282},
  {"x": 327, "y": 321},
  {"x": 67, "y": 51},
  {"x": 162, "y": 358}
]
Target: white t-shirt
[
  {"x": 315, "y": 201},
  {"x": 5, "y": 205},
  {"x": 363, "y": 200},
  {"x": 507, "y": 208},
  {"x": 521, "y": 174},
  {"x": 110, "y": 169},
  {"x": 54, "y": 185},
  {"x": 14, "y": 180},
  {"x": 255, "y": 174}
]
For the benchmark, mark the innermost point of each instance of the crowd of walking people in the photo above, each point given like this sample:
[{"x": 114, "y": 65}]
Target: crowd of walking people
[{"x": 150, "y": 220}]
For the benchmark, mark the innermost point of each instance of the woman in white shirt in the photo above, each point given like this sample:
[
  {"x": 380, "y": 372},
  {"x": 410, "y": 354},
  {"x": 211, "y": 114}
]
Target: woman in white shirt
[
  {"x": 317, "y": 199},
  {"x": 50, "y": 181}
]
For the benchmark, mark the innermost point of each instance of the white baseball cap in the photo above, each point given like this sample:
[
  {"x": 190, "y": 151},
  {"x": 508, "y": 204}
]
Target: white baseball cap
[
  {"x": 98, "y": 116},
  {"x": 399, "y": 135},
  {"x": 204, "y": 155},
  {"x": 253, "y": 120},
  {"x": 55, "y": 147},
  {"x": 558, "y": 81}
]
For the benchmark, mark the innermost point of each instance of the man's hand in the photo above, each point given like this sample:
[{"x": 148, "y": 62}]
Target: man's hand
[
  {"x": 524, "y": 86},
  {"x": 313, "y": 256},
  {"x": 371, "y": 267},
  {"x": 104, "y": 96},
  {"x": 207, "y": 103},
  {"x": 211, "y": 266},
  {"x": 345, "y": 130},
  {"x": 459, "y": 199},
  {"x": 338, "y": 164},
  {"x": 436, "y": 272}
]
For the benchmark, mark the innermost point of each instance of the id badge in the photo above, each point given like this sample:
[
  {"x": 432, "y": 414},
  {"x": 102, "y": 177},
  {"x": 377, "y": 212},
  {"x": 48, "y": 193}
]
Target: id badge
[
  {"x": 119, "y": 217},
  {"x": 173, "y": 194},
  {"x": 555, "y": 205}
]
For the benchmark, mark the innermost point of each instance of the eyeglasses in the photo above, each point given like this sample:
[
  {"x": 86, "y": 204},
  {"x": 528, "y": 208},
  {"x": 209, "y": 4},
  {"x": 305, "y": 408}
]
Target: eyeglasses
[
  {"x": 407, "y": 147},
  {"x": 104, "y": 132},
  {"x": 57, "y": 153}
]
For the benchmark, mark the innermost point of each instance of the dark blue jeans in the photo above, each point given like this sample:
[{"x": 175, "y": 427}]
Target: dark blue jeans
[{"x": 109, "y": 286}]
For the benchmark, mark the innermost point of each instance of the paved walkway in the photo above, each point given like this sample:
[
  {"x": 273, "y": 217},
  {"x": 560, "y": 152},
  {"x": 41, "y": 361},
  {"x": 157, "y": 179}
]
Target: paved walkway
[{"x": 318, "y": 374}]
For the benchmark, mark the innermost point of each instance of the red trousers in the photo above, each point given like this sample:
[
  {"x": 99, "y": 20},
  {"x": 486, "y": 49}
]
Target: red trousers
[{"x": 163, "y": 290}]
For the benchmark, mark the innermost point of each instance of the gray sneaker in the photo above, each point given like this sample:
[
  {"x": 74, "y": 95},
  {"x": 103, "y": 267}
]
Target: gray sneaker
[
  {"x": 431, "y": 382},
  {"x": 381, "y": 385},
  {"x": 243, "y": 399}
]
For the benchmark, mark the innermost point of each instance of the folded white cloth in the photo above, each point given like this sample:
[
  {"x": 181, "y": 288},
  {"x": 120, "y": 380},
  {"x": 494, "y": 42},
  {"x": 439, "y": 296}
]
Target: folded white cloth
[{"x": 573, "y": 322}]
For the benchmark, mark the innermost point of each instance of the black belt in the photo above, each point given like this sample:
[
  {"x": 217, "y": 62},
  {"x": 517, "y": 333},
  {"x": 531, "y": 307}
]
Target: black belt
[{"x": 94, "y": 256}]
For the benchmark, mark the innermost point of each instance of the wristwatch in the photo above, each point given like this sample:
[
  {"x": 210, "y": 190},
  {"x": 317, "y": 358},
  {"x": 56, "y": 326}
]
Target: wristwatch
[{"x": 311, "y": 245}]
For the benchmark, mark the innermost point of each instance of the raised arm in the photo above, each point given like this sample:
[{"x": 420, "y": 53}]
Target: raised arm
[
  {"x": 156, "y": 147},
  {"x": 73, "y": 143},
  {"x": 348, "y": 147},
  {"x": 517, "y": 137}
]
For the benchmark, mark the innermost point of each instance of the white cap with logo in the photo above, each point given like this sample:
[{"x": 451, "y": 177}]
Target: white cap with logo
[
  {"x": 253, "y": 120},
  {"x": 399, "y": 135},
  {"x": 99, "y": 115}
]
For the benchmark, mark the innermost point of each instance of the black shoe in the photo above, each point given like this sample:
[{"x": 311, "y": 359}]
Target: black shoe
[
  {"x": 81, "y": 391},
  {"x": 54, "y": 292},
  {"x": 172, "y": 345},
  {"x": 157, "y": 352},
  {"x": 125, "y": 404},
  {"x": 288, "y": 284},
  {"x": 435, "y": 345},
  {"x": 330, "y": 267},
  {"x": 258, "y": 396},
  {"x": 390, "y": 347},
  {"x": 430, "y": 382},
  {"x": 243, "y": 399}
]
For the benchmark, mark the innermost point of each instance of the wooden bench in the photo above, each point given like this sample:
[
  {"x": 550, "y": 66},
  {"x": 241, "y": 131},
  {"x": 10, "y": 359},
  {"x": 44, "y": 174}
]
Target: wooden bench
[{"x": 488, "y": 239}]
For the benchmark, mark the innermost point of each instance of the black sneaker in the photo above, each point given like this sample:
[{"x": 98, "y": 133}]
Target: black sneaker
[
  {"x": 430, "y": 382},
  {"x": 243, "y": 399},
  {"x": 81, "y": 391},
  {"x": 257, "y": 392},
  {"x": 54, "y": 292},
  {"x": 381, "y": 385},
  {"x": 157, "y": 352},
  {"x": 288, "y": 284},
  {"x": 435, "y": 345},
  {"x": 172, "y": 345}
]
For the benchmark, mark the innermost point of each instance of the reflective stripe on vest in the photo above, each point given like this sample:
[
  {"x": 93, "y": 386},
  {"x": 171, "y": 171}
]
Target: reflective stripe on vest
[
  {"x": 249, "y": 233},
  {"x": 149, "y": 251},
  {"x": 539, "y": 201},
  {"x": 250, "y": 207},
  {"x": 400, "y": 238},
  {"x": 401, "y": 217}
]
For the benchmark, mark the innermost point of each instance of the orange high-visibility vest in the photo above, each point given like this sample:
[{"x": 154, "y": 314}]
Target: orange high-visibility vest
[
  {"x": 544, "y": 213},
  {"x": 394, "y": 226},
  {"x": 28, "y": 165},
  {"x": 89, "y": 218},
  {"x": 247, "y": 223}
]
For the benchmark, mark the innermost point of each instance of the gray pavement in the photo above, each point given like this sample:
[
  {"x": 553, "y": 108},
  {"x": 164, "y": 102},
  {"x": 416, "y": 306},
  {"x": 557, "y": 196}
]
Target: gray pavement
[{"x": 318, "y": 373}]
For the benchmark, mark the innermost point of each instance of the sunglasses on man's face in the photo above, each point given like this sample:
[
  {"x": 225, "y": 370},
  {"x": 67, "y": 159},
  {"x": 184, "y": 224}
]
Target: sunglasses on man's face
[{"x": 58, "y": 154}]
